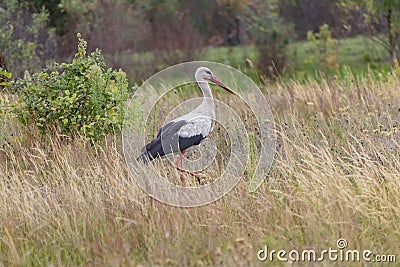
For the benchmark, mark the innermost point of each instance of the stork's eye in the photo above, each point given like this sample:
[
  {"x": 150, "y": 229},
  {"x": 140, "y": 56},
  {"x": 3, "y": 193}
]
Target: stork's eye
[{"x": 208, "y": 72}]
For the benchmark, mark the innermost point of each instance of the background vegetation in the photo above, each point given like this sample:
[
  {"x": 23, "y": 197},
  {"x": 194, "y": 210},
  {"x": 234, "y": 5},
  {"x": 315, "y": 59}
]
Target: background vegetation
[
  {"x": 153, "y": 34},
  {"x": 329, "y": 70}
]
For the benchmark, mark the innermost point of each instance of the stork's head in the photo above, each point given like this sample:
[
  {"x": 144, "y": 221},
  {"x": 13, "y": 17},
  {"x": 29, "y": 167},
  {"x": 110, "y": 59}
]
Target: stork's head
[{"x": 205, "y": 74}]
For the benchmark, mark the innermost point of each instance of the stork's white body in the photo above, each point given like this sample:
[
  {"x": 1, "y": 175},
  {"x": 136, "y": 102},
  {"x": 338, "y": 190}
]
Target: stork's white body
[
  {"x": 201, "y": 119},
  {"x": 190, "y": 129}
]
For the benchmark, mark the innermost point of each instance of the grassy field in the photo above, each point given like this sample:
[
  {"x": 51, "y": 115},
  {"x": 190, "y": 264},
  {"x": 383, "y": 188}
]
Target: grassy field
[
  {"x": 359, "y": 54},
  {"x": 336, "y": 175}
]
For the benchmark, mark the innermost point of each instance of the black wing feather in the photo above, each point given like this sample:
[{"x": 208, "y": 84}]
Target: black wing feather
[{"x": 168, "y": 141}]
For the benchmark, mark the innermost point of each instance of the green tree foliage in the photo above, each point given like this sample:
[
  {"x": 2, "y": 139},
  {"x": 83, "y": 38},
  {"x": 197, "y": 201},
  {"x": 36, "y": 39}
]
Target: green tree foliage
[
  {"x": 310, "y": 14},
  {"x": 25, "y": 40},
  {"x": 81, "y": 97},
  {"x": 378, "y": 13},
  {"x": 271, "y": 35},
  {"x": 57, "y": 16}
]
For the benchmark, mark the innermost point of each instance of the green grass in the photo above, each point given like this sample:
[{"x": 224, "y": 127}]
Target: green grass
[
  {"x": 235, "y": 56},
  {"x": 360, "y": 54}
]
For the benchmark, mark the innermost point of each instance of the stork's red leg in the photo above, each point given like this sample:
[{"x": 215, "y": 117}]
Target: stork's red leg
[{"x": 177, "y": 163}]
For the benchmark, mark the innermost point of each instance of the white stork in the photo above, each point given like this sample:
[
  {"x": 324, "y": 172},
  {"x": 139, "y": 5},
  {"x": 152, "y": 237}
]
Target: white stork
[{"x": 188, "y": 130}]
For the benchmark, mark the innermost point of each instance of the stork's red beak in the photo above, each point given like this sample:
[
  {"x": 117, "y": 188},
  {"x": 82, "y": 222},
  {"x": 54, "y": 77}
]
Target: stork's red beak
[{"x": 218, "y": 82}]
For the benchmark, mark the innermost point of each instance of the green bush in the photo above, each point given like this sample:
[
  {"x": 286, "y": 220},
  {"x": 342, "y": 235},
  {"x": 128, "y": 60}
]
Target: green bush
[
  {"x": 81, "y": 97},
  {"x": 325, "y": 49},
  {"x": 5, "y": 77}
]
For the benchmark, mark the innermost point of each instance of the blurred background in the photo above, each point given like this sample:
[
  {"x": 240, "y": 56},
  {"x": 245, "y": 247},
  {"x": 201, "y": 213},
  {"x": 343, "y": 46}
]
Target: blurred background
[{"x": 268, "y": 39}]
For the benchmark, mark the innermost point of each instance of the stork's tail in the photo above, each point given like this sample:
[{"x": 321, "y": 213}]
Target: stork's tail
[
  {"x": 144, "y": 157},
  {"x": 151, "y": 151}
]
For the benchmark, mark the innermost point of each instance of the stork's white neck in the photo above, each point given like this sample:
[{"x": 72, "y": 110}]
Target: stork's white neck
[
  {"x": 207, "y": 105},
  {"x": 205, "y": 88}
]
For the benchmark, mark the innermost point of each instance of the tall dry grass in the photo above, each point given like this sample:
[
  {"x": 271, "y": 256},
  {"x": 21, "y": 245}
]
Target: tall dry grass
[{"x": 336, "y": 175}]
